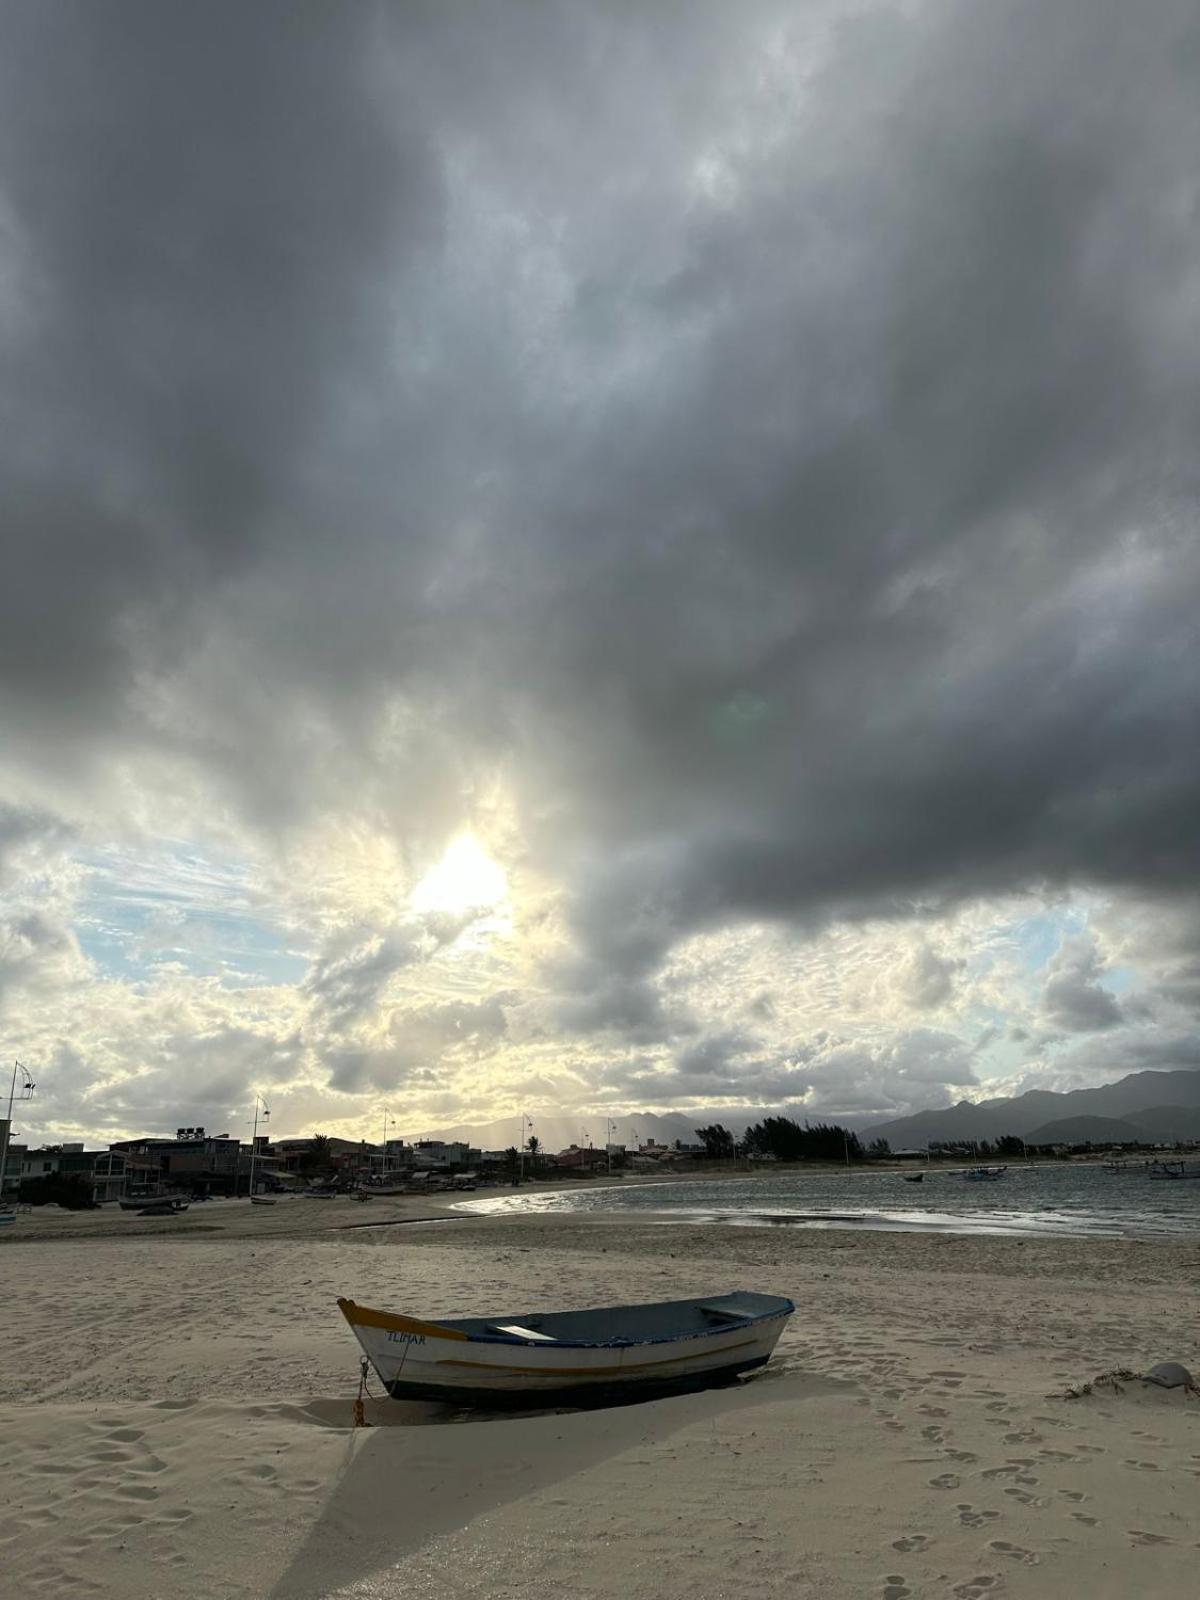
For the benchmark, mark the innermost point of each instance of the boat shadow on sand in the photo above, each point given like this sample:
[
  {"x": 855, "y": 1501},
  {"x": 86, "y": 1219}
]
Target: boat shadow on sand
[{"x": 423, "y": 1470}]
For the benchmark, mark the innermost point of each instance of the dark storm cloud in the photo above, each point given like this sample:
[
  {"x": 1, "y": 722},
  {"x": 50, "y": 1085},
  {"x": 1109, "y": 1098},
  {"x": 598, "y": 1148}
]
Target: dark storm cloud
[
  {"x": 902, "y": 574},
  {"x": 769, "y": 441},
  {"x": 207, "y": 211}
]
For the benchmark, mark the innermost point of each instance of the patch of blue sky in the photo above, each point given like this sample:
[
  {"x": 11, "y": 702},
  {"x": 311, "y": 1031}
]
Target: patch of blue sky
[
  {"x": 1037, "y": 938},
  {"x": 172, "y": 905}
]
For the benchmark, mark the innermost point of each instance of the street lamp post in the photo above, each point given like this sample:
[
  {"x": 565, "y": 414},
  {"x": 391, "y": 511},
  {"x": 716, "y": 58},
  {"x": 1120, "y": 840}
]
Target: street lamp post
[
  {"x": 388, "y": 1121},
  {"x": 27, "y": 1088},
  {"x": 526, "y": 1122},
  {"x": 261, "y": 1108}
]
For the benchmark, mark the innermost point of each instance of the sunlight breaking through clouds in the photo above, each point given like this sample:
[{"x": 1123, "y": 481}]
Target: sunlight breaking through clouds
[{"x": 596, "y": 558}]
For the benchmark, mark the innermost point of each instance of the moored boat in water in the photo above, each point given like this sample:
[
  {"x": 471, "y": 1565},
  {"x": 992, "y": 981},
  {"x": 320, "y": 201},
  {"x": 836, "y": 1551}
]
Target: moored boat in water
[{"x": 571, "y": 1357}]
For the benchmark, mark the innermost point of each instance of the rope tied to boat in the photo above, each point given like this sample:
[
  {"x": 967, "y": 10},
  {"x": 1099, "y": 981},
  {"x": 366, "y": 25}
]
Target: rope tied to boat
[{"x": 360, "y": 1416}]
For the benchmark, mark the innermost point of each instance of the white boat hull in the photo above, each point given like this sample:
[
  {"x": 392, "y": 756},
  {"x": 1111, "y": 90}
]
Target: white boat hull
[{"x": 429, "y": 1361}]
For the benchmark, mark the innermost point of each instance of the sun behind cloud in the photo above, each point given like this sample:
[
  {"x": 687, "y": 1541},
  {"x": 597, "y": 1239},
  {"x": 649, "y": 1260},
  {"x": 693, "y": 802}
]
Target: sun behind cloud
[{"x": 465, "y": 879}]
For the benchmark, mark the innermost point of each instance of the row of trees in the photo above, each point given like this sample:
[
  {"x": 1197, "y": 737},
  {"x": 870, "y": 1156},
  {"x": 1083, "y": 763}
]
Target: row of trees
[{"x": 788, "y": 1140}]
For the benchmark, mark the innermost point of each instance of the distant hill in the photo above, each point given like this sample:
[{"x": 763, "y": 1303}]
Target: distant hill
[
  {"x": 1087, "y": 1130},
  {"x": 1169, "y": 1103},
  {"x": 1168, "y": 1122},
  {"x": 1145, "y": 1105}
]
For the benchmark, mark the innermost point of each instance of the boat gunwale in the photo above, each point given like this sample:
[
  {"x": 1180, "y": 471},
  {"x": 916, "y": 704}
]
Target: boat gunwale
[{"x": 399, "y": 1323}]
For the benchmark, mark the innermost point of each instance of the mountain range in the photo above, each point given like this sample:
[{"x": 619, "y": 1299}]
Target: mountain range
[{"x": 1144, "y": 1107}]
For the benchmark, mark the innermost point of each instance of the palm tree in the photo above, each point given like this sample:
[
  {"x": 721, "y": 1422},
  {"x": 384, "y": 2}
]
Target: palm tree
[
  {"x": 318, "y": 1158},
  {"x": 534, "y": 1146}
]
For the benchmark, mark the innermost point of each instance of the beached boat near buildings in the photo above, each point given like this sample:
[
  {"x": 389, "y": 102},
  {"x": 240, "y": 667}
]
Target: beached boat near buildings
[
  {"x": 571, "y": 1357},
  {"x": 1173, "y": 1169}
]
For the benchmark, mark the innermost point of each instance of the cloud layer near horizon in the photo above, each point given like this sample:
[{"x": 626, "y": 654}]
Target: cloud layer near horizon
[{"x": 735, "y": 463}]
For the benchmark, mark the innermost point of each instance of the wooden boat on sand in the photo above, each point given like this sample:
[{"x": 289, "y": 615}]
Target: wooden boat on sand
[{"x": 571, "y": 1357}]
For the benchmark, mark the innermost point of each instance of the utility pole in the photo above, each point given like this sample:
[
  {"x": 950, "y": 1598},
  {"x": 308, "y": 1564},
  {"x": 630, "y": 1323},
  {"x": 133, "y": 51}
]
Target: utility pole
[
  {"x": 524, "y": 1121},
  {"x": 27, "y": 1088},
  {"x": 387, "y": 1118}
]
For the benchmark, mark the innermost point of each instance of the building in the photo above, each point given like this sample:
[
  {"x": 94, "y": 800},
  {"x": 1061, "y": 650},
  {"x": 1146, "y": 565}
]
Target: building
[
  {"x": 347, "y": 1159},
  {"x": 428, "y": 1153},
  {"x": 581, "y": 1158},
  {"x": 194, "y": 1160},
  {"x": 72, "y": 1161}
]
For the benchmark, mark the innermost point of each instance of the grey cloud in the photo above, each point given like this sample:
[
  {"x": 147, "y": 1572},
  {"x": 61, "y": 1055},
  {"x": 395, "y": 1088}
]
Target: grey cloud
[
  {"x": 347, "y": 984},
  {"x": 1073, "y": 998},
  {"x": 420, "y": 1040},
  {"x": 927, "y": 978},
  {"x": 777, "y": 463}
]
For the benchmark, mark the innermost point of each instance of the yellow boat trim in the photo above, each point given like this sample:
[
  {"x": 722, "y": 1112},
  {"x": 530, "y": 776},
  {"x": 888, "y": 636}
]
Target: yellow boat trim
[
  {"x": 587, "y": 1372},
  {"x": 364, "y": 1317}
]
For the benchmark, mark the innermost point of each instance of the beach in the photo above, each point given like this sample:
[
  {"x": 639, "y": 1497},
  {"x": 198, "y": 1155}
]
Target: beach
[{"x": 176, "y": 1400}]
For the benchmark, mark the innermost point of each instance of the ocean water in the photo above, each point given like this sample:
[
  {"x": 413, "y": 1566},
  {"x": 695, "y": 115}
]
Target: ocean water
[{"x": 1074, "y": 1200}]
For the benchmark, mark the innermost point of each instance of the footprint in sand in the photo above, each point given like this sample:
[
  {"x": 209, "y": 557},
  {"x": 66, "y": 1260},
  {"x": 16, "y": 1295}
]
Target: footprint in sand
[
  {"x": 1142, "y": 1466},
  {"x": 971, "y": 1518},
  {"x": 933, "y": 1434},
  {"x": 1015, "y": 1552},
  {"x": 974, "y": 1587},
  {"x": 947, "y": 1480},
  {"x": 911, "y": 1544},
  {"x": 1140, "y": 1536},
  {"x": 1088, "y": 1522},
  {"x": 895, "y": 1588},
  {"x": 1023, "y": 1498},
  {"x": 933, "y": 1411},
  {"x": 1057, "y": 1455}
]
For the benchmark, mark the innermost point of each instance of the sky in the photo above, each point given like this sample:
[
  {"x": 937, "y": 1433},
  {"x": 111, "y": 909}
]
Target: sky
[{"x": 595, "y": 557}]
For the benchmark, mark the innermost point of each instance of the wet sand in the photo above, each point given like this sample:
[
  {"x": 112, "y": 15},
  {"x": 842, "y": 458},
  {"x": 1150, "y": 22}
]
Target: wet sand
[{"x": 176, "y": 1400}]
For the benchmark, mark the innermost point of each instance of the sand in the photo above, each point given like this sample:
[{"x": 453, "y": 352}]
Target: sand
[{"x": 176, "y": 1400}]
